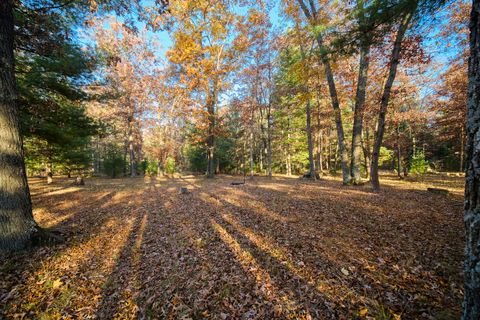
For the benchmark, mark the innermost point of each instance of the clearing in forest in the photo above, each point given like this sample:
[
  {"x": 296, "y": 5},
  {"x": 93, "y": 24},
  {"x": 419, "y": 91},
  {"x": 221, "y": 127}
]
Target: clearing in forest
[{"x": 282, "y": 248}]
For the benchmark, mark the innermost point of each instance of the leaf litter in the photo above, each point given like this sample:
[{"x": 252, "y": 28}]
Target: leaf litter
[{"x": 271, "y": 249}]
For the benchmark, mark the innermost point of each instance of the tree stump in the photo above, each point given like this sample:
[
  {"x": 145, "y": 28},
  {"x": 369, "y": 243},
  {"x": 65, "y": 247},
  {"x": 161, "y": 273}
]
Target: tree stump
[{"x": 79, "y": 181}]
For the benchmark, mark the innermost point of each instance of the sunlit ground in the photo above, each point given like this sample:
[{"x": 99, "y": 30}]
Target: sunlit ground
[{"x": 282, "y": 248}]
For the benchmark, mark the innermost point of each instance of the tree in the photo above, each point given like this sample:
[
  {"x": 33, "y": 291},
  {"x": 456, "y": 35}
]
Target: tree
[
  {"x": 208, "y": 41},
  {"x": 312, "y": 16},
  {"x": 17, "y": 227},
  {"x": 394, "y": 61},
  {"x": 471, "y": 302}
]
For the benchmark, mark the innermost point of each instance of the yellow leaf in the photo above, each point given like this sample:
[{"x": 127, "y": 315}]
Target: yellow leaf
[
  {"x": 57, "y": 284},
  {"x": 363, "y": 312}
]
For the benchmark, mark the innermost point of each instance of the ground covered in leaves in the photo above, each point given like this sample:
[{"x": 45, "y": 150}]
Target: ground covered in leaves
[{"x": 281, "y": 248}]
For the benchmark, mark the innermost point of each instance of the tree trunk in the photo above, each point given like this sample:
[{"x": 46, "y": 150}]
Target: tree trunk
[
  {"x": 366, "y": 150},
  {"x": 355, "y": 177},
  {"x": 17, "y": 226},
  {"x": 394, "y": 61},
  {"x": 251, "y": 154},
  {"x": 329, "y": 151},
  {"x": 159, "y": 168},
  {"x": 462, "y": 141},
  {"x": 320, "y": 138},
  {"x": 131, "y": 147},
  {"x": 335, "y": 159},
  {"x": 269, "y": 143},
  {"x": 310, "y": 142},
  {"x": 96, "y": 157},
  {"x": 79, "y": 180},
  {"x": 333, "y": 94},
  {"x": 260, "y": 160},
  {"x": 320, "y": 152},
  {"x": 133, "y": 161},
  {"x": 399, "y": 155},
  {"x": 471, "y": 302},
  {"x": 289, "y": 157},
  {"x": 125, "y": 153},
  {"x": 211, "y": 133},
  {"x": 49, "y": 170}
]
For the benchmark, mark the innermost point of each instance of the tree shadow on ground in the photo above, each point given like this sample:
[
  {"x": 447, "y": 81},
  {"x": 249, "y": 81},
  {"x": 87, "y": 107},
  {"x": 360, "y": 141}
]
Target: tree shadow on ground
[{"x": 264, "y": 250}]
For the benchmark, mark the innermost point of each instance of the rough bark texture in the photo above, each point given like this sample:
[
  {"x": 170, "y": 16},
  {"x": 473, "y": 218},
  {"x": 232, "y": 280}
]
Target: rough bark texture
[
  {"x": 392, "y": 72},
  {"x": 355, "y": 177},
  {"x": 311, "y": 15},
  {"x": 16, "y": 221},
  {"x": 471, "y": 303}
]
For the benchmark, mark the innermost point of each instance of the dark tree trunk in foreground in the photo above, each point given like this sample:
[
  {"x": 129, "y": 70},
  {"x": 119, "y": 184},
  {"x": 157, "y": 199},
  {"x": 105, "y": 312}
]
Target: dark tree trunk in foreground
[
  {"x": 17, "y": 226},
  {"x": 471, "y": 302},
  {"x": 358, "y": 116},
  {"x": 394, "y": 61}
]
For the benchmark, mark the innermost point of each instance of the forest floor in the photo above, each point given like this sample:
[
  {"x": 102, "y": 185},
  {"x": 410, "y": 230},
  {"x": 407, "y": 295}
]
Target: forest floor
[{"x": 282, "y": 248}]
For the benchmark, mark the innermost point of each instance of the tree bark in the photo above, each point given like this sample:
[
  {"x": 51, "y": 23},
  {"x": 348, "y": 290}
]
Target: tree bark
[
  {"x": 329, "y": 151},
  {"x": 211, "y": 100},
  {"x": 399, "y": 155},
  {"x": 17, "y": 226},
  {"x": 366, "y": 150},
  {"x": 320, "y": 152},
  {"x": 49, "y": 170},
  {"x": 462, "y": 152},
  {"x": 251, "y": 154},
  {"x": 288, "y": 158},
  {"x": 471, "y": 302},
  {"x": 394, "y": 61},
  {"x": 131, "y": 146},
  {"x": 355, "y": 177},
  {"x": 269, "y": 143},
  {"x": 96, "y": 157},
  {"x": 319, "y": 136},
  {"x": 310, "y": 142},
  {"x": 333, "y": 95}
]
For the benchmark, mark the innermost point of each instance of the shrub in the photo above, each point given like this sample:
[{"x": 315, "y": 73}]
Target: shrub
[
  {"x": 170, "y": 167},
  {"x": 151, "y": 168},
  {"x": 386, "y": 156},
  {"x": 418, "y": 165}
]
